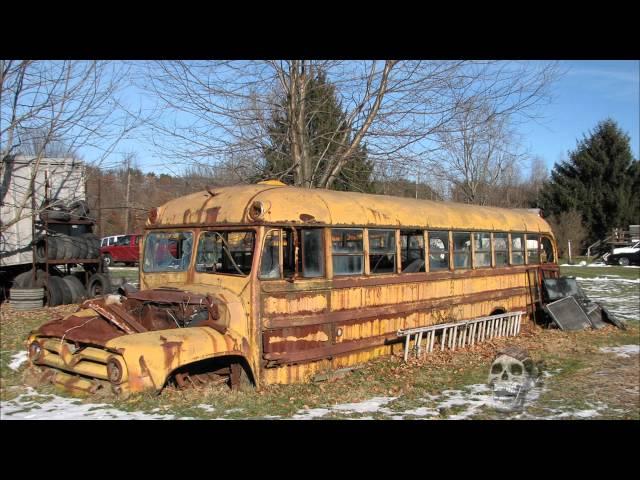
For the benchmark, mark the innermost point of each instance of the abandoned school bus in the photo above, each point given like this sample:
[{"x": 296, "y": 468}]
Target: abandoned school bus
[{"x": 271, "y": 284}]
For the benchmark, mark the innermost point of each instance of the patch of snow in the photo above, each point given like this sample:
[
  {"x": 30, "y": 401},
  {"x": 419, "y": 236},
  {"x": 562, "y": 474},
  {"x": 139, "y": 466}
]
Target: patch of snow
[
  {"x": 422, "y": 412},
  {"x": 623, "y": 351},
  {"x": 231, "y": 410},
  {"x": 206, "y": 408},
  {"x": 18, "y": 359},
  {"x": 311, "y": 413},
  {"x": 619, "y": 295},
  {"x": 609, "y": 278},
  {"x": 368, "y": 406},
  {"x": 34, "y": 406},
  {"x": 372, "y": 405}
]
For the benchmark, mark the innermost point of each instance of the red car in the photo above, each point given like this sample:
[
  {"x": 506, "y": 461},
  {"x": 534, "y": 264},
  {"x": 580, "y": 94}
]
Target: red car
[{"x": 125, "y": 250}]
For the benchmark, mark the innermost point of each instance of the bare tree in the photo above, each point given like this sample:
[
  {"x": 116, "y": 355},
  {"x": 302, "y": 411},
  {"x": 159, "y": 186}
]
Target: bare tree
[
  {"x": 568, "y": 227},
  {"x": 215, "y": 112},
  {"x": 55, "y": 108},
  {"x": 478, "y": 153}
]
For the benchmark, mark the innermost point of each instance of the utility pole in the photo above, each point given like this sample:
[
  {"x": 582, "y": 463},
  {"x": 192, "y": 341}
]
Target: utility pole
[
  {"x": 126, "y": 220},
  {"x": 99, "y": 219}
]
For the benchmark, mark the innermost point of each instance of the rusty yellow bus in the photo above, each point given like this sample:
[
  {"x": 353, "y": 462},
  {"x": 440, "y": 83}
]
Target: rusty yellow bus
[{"x": 269, "y": 284}]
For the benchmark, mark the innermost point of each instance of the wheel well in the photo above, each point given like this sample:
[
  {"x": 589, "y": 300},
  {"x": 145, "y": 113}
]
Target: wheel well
[
  {"x": 498, "y": 311},
  {"x": 218, "y": 365}
]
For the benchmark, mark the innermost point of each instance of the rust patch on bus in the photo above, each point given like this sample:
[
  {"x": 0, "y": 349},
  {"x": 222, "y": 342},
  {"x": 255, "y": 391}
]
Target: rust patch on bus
[{"x": 212, "y": 214}]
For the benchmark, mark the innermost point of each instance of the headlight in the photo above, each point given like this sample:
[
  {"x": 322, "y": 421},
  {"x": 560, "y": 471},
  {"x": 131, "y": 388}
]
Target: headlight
[
  {"x": 35, "y": 351},
  {"x": 114, "y": 370}
]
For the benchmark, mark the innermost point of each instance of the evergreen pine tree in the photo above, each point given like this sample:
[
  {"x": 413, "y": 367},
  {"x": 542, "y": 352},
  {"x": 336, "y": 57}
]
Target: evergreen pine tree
[
  {"x": 324, "y": 116},
  {"x": 601, "y": 180}
]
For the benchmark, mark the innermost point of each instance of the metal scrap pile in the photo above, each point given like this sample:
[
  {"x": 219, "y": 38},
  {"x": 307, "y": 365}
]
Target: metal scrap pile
[{"x": 569, "y": 308}]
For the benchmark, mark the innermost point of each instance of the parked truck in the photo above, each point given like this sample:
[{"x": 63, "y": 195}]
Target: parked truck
[{"x": 46, "y": 231}]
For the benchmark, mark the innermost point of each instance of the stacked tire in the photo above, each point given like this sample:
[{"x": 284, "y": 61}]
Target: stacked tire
[
  {"x": 65, "y": 247},
  {"x": 26, "y": 298},
  {"x": 59, "y": 290},
  {"x": 60, "y": 212}
]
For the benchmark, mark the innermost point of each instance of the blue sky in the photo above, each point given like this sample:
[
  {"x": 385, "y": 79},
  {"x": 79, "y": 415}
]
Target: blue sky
[{"x": 588, "y": 91}]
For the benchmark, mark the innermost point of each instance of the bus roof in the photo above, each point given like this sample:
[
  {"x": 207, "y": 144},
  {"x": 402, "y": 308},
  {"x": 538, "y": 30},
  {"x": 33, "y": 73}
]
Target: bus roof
[{"x": 280, "y": 204}]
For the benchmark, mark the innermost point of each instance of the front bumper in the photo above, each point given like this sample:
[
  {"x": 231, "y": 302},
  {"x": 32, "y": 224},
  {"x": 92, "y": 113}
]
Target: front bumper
[
  {"x": 130, "y": 363},
  {"x": 77, "y": 368}
]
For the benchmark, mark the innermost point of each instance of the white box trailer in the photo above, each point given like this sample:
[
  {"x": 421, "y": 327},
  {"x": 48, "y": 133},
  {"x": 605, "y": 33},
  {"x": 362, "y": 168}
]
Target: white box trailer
[{"x": 65, "y": 178}]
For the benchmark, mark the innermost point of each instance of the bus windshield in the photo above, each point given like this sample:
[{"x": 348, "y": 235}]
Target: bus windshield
[
  {"x": 227, "y": 252},
  {"x": 167, "y": 251}
]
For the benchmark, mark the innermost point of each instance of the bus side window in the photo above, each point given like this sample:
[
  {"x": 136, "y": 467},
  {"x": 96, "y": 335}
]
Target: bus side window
[
  {"x": 312, "y": 254},
  {"x": 412, "y": 251},
  {"x": 288, "y": 253},
  {"x": 270, "y": 266},
  {"x": 438, "y": 251},
  {"x": 461, "y": 249},
  {"x": 517, "y": 249},
  {"x": 546, "y": 251},
  {"x": 347, "y": 251},
  {"x": 501, "y": 248},
  {"x": 482, "y": 249},
  {"x": 382, "y": 251},
  {"x": 532, "y": 249}
]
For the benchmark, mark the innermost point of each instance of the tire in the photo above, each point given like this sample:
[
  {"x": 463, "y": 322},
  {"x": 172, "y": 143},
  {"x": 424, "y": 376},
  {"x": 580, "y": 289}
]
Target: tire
[
  {"x": 66, "y": 243},
  {"x": 41, "y": 248},
  {"x": 93, "y": 245},
  {"x": 26, "y": 304},
  {"x": 25, "y": 280},
  {"x": 22, "y": 280},
  {"x": 108, "y": 260},
  {"x": 27, "y": 294},
  {"x": 79, "y": 208},
  {"x": 78, "y": 292},
  {"x": 54, "y": 294},
  {"x": 80, "y": 246},
  {"x": 63, "y": 287},
  {"x": 99, "y": 284},
  {"x": 623, "y": 261},
  {"x": 56, "y": 215},
  {"x": 59, "y": 246}
]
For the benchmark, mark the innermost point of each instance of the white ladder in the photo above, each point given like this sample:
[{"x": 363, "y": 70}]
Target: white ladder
[{"x": 460, "y": 334}]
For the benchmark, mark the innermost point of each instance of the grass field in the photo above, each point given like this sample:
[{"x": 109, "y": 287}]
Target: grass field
[{"x": 588, "y": 374}]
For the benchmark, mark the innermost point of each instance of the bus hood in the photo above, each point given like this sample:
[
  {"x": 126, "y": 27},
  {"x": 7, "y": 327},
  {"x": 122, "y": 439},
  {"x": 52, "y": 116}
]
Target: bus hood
[{"x": 100, "y": 320}]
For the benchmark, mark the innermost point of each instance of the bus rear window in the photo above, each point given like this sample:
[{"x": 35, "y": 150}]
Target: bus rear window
[{"x": 167, "y": 251}]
